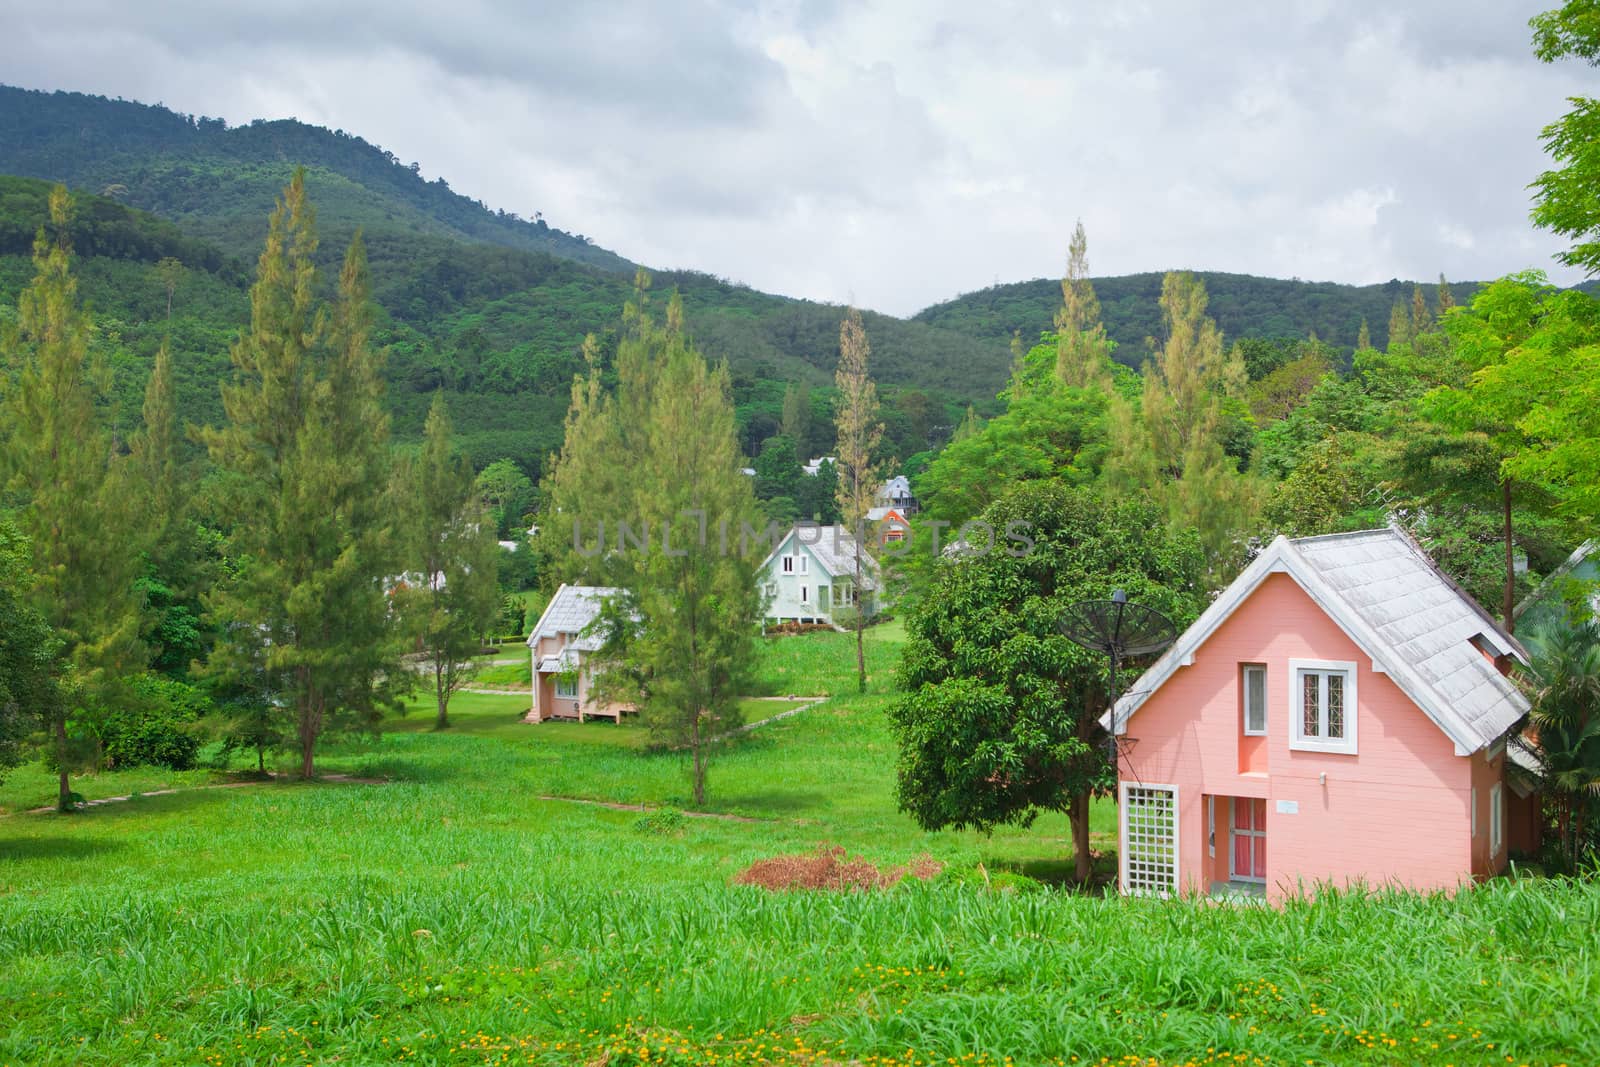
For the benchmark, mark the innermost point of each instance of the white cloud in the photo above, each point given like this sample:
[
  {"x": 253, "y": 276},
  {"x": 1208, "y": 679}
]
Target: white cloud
[{"x": 894, "y": 151}]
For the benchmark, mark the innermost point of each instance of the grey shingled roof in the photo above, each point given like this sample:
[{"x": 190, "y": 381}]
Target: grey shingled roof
[
  {"x": 572, "y": 609},
  {"x": 835, "y": 550},
  {"x": 1388, "y": 596}
]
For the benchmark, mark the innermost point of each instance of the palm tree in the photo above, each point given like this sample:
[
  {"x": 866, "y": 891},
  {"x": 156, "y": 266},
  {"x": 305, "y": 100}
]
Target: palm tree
[{"x": 1564, "y": 692}]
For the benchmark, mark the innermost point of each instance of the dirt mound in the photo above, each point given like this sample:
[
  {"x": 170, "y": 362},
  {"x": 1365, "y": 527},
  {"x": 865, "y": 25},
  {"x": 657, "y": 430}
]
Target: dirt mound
[{"x": 829, "y": 867}]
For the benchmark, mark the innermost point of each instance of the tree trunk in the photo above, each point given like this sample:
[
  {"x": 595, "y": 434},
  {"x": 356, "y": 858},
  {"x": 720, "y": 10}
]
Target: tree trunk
[
  {"x": 699, "y": 765},
  {"x": 1510, "y": 603},
  {"x": 64, "y": 796},
  {"x": 861, "y": 621},
  {"x": 441, "y": 693},
  {"x": 1078, "y": 820},
  {"x": 308, "y": 747}
]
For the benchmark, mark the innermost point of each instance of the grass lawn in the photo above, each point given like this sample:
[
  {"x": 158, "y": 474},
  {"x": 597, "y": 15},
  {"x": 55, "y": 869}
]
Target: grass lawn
[{"x": 452, "y": 916}]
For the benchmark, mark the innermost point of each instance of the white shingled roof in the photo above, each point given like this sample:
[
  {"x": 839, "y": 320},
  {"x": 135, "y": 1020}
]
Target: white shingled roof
[
  {"x": 1417, "y": 625},
  {"x": 572, "y": 609},
  {"x": 835, "y": 550}
]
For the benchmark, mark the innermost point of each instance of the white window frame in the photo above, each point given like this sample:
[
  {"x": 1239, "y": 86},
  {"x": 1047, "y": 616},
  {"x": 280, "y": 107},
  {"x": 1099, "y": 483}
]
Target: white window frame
[
  {"x": 804, "y": 599},
  {"x": 1124, "y": 858},
  {"x": 788, "y": 564},
  {"x": 1497, "y": 820},
  {"x": 1298, "y": 739},
  {"x": 1245, "y": 671},
  {"x": 566, "y": 689}
]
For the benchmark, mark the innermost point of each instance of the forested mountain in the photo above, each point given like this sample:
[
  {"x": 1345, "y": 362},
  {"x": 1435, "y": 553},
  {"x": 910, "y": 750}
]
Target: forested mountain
[
  {"x": 491, "y": 307},
  {"x": 488, "y": 306},
  {"x": 1243, "y": 305},
  {"x": 220, "y": 182}
]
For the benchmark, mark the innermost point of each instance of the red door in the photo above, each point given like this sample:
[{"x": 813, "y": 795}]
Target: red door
[{"x": 1249, "y": 833}]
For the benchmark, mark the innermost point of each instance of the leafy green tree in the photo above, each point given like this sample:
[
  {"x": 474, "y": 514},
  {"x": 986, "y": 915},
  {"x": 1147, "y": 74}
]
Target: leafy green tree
[
  {"x": 60, "y": 462},
  {"x": 999, "y": 718},
  {"x": 450, "y": 555},
  {"x": 797, "y": 413},
  {"x": 1565, "y": 197},
  {"x": 859, "y": 433},
  {"x": 29, "y": 685},
  {"x": 817, "y": 498},
  {"x": 1564, "y": 688},
  {"x": 1055, "y": 432},
  {"x": 1502, "y": 350},
  {"x": 305, "y": 453},
  {"x": 662, "y": 454},
  {"x": 508, "y": 494},
  {"x": 777, "y": 469}
]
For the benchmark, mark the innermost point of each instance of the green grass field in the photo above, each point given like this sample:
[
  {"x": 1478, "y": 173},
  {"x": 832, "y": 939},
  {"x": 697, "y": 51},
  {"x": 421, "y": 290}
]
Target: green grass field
[{"x": 450, "y": 915}]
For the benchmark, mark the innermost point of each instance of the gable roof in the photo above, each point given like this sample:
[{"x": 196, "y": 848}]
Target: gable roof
[
  {"x": 1416, "y": 624},
  {"x": 1574, "y": 564},
  {"x": 572, "y": 609},
  {"x": 834, "y": 549}
]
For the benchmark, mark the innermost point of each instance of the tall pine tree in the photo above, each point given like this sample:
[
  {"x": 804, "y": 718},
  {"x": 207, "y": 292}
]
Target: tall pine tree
[
  {"x": 79, "y": 512},
  {"x": 449, "y": 551},
  {"x": 1083, "y": 351},
  {"x": 1173, "y": 447},
  {"x": 306, "y": 617},
  {"x": 661, "y": 455},
  {"x": 859, "y": 433}
]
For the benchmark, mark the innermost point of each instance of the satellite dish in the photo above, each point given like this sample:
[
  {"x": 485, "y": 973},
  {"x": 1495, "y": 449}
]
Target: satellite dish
[{"x": 1122, "y": 630}]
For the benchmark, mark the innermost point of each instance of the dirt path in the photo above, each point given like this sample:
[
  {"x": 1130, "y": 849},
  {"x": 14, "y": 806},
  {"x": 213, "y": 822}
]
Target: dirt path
[
  {"x": 274, "y": 780},
  {"x": 611, "y": 805},
  {"x": 810, "y": 702}
]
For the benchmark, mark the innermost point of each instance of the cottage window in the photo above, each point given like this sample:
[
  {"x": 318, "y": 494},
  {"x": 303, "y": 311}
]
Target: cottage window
[
  {"x": 1497, "y": 819},
  {"x": 803, "y": 595},
  {"x": 1322, "y": 706},
  {"x": 1255, "y": 700},
  {"x": 567, "y": 686},
  {"x": 788, "y": 564}
]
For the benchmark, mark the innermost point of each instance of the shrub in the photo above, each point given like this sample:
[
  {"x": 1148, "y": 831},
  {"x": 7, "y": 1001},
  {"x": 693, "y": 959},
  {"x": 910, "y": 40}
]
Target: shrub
[{"x": 155, "y": 726}]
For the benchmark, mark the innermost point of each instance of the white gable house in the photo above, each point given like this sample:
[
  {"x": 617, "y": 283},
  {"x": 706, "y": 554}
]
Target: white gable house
[
  {"x": 561, "y": 648},
  {"x": 809, "y": 576}
]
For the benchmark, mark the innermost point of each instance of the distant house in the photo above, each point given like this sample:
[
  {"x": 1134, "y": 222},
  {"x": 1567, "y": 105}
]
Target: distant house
[
  {"x": 1578, "y": 577},
  {"x": 888, "y": 524},
  {"x": 896, "y": 493},
  {"x": 809, "y": 576},
  {"x": 561, "y": 650},
  {"x": 813, "y": 467},
  {"x": 1339, "y": 715}
]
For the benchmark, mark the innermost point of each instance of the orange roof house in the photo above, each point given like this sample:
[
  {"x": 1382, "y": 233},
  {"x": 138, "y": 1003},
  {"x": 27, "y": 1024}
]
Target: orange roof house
[{"x": 1338, "y": 716}]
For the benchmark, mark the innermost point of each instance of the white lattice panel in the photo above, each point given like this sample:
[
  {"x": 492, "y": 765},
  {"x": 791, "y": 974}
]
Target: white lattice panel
[{"x": 1149, "y": 838}]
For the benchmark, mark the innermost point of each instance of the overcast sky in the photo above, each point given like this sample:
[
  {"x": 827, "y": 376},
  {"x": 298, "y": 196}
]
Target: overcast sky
[{"x": 897, "y": 153}]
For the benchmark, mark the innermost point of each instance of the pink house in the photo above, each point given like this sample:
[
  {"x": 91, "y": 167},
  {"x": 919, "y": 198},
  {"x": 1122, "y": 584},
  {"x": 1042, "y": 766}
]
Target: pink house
[
  {"x": 1338, "y": 715},
  {"x": 561, "y": 646}
]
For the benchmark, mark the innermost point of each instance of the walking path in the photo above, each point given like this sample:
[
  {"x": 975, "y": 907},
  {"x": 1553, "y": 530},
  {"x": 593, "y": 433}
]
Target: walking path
[{"x": 271, "y": 779}]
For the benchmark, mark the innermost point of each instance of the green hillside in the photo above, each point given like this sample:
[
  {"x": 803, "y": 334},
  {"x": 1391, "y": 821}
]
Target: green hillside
[
  {"x": 1243, "y": 305},
  {"x": 219, "y": 182}
]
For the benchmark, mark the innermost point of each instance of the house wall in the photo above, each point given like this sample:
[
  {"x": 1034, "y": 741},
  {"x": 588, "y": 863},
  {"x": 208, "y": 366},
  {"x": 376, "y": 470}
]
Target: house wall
[
  {"x": 786, "y": 604},
  {"x": 546, "y": 704},
  {"x": 1396, "y": 811},
  {"x": 1486, "y": 773}
]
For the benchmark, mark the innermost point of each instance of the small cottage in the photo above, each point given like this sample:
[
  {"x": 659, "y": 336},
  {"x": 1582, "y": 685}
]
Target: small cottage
[
  {"x": 888, "y": 524},
  {"x": 1338, "y": 716},
  {"x": 562, "y": 645},
  {"x": 896, "y": 493},
  {"x": 809, "y": 576}
]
